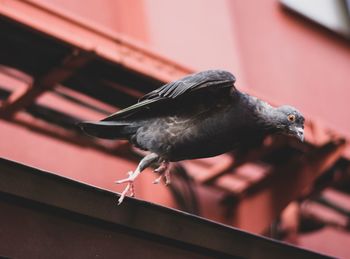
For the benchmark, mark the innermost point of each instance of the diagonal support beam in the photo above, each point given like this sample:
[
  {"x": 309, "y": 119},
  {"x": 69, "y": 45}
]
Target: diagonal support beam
[
  {"x": 286, "y": 183},
  {"x": 252, "y": 155},
  {"x": 23, "y": 97}
]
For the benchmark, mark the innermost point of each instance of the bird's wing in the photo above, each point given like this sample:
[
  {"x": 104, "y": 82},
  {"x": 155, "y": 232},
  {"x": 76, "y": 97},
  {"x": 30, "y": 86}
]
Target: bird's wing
[
  {"x": 202, "y": 80},
  {"x": 211, "y": 80}
]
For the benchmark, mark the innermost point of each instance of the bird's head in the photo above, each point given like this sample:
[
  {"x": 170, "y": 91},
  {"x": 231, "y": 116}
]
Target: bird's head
[{"x": 290, "y": 121}]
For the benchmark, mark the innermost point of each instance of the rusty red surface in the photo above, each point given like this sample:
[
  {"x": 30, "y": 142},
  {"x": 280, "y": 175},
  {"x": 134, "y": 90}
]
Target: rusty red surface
[{"x": 274, "y": 54}]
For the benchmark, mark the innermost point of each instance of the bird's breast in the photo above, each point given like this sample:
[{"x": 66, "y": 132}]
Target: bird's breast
[{"x": 202, "y": 133}]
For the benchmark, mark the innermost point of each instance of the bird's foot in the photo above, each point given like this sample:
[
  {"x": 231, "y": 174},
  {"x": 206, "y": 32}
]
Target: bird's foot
[
  {"x": 158, "y": 179},
  {"x": 129, "y": 187},
  {"x": 164, "y": 171},
  {"x": 144, "y": 163},
  {"x": 161, "y": 169},
  {"x": 167, "y": 177}
]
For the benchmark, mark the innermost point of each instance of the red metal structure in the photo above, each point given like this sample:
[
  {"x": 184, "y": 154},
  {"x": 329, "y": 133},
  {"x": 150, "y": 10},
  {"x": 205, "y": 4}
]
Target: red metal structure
[{"x": 64, "y": 61}]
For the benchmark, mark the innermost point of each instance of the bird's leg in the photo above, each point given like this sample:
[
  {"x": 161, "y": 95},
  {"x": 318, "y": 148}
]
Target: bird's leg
[
  {"x": 144, "y": 163},
  {"x": 130, "y": 187},
  {"x": 167, "y": 177},
  {"x": 164, "y": 171}
]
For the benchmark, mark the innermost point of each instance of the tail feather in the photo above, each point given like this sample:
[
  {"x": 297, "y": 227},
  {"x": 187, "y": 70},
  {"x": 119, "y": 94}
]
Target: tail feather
[{"x": 107, "y": 129}]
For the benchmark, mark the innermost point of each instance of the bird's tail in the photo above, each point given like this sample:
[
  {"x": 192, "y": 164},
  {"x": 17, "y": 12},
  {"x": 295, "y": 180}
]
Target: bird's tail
[{"x": 108, "y": 129}]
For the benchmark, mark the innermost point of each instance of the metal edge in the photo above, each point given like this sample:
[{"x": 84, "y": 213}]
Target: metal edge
[{"x": 47, "y": 188}]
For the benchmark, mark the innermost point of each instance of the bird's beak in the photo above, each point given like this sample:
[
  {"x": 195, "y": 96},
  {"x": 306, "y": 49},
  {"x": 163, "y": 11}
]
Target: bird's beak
[{"x": 297, "y": 132}]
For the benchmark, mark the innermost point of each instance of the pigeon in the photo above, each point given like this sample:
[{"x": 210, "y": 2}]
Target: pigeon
[{"x": 199, "y": 116}]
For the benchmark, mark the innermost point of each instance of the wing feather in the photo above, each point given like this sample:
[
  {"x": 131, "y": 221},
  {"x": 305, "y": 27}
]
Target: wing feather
[{"x": 212, "y": 80}]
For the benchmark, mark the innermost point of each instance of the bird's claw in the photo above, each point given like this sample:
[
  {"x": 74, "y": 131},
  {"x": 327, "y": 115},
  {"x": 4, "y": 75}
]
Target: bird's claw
[
  {"x": 167, "y": 177},
  {"x": 164, "y": 171},
  {"x": 161, "y": 169},
  {"x": 157, "y": 170},
  {"x": 126, "y": 180},
  {"x": 157, "y": 181},
  {"x": 129, "y": 188}
]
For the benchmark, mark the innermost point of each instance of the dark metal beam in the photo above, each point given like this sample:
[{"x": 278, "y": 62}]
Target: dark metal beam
[
  {"x": 40, "y": 190},
  {"x": 23, "y": 97},
  {"x": 120, "y": 149},
  {"x": 107, "y": 45}
]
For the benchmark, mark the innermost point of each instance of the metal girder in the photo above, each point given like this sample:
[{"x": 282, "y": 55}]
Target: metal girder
[
  {"x": 24, "y": 97},
  {"x": 121, "y": 149},
  {"x": 263, "y": 203},
  {"x": 28, "y": 191},
  {"x": 106, "y": 44}
]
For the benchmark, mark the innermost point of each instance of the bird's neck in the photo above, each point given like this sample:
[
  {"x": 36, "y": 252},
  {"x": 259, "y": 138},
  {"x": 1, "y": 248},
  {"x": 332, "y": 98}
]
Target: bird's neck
[{"x": 263, "y": 112}]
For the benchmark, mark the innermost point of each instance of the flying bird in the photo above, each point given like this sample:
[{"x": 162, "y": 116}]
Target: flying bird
[{"x": 201, "y": 115}]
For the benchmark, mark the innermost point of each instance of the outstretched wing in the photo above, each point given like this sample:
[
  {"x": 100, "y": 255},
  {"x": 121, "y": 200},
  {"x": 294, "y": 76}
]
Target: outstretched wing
[{"x": 210, "y": 80}]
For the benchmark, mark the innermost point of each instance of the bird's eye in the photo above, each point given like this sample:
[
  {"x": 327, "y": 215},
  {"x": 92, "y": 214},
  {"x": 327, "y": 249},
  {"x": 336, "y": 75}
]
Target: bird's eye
[{"x": 291, "y": 117}]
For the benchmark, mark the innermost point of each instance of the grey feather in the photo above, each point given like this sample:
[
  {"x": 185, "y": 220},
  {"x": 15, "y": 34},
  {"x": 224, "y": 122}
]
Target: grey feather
[
  {"x": 211, "y": 80},
  {"x": 200, "y": 115}
]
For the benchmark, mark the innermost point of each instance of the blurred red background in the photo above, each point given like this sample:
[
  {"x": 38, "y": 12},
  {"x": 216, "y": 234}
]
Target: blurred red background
[{"x": 275, "y": 54}]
